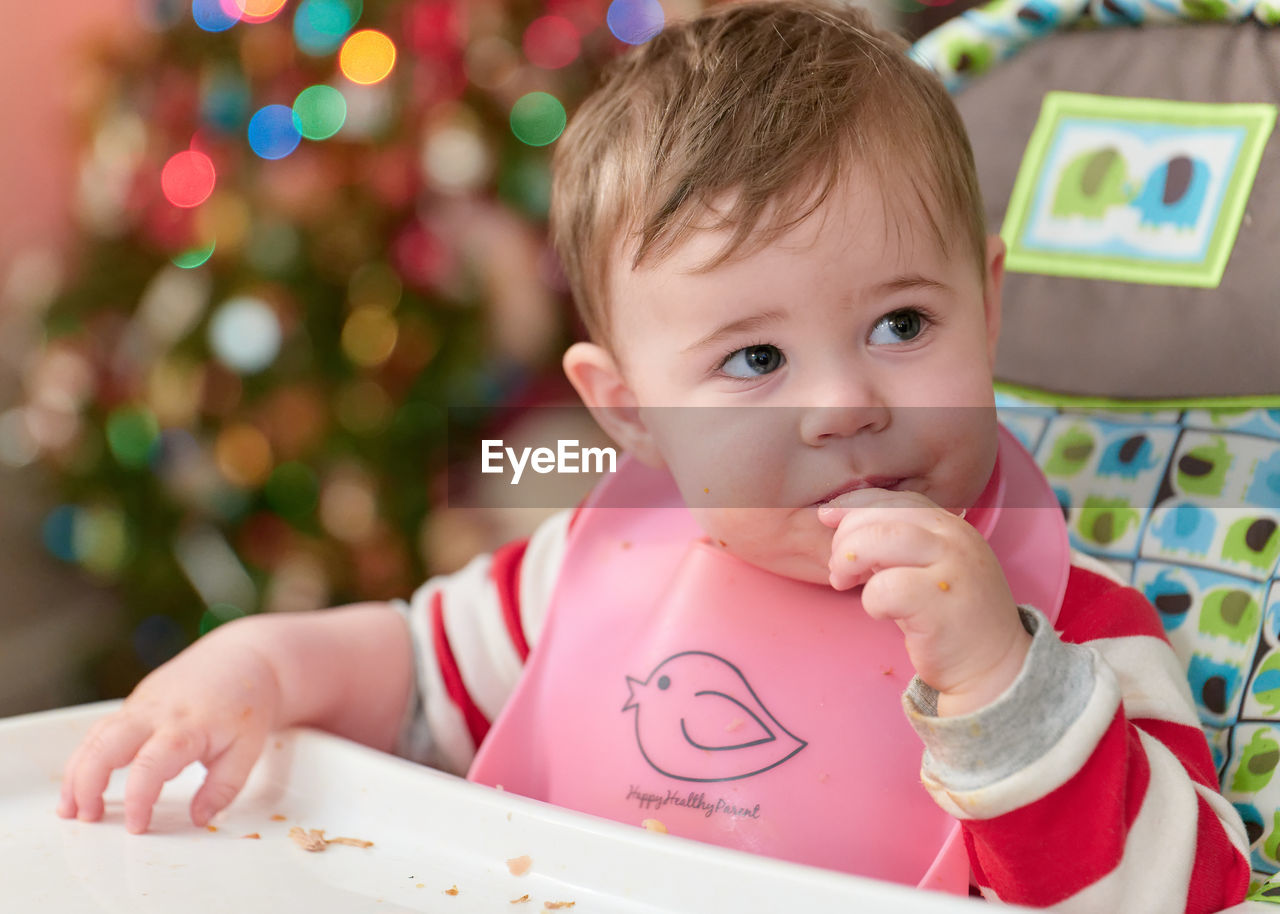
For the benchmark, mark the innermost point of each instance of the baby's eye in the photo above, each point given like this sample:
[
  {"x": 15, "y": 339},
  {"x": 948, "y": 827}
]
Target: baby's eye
[
  {"x": 898, "y": 327},
  {"x": 752, "y": 361}
]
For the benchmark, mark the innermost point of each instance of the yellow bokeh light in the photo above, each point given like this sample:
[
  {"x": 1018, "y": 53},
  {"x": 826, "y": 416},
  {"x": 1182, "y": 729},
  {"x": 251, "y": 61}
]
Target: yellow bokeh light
[
  {"x": 367, "y": 57},
  {"x": 369, "y": 336},
  {"x": 259, "y": 10}
]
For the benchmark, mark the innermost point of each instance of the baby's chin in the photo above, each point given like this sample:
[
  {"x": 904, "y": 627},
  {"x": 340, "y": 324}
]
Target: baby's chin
[{"x": 800, "y": 554}]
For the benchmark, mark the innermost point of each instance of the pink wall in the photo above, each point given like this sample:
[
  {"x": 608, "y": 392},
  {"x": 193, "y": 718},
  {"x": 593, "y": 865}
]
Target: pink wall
[{"x": 41, "y": 54}]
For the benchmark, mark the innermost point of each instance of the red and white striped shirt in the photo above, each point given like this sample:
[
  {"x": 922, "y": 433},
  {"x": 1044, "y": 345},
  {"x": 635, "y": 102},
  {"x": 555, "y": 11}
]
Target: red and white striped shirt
[{"x": 1108, "y": 800}]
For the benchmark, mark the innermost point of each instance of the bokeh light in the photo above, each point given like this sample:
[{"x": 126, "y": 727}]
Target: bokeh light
[
  {"x": 319, "y": 26},
  {"x": 187, "y": 179},
  {"x": 224, "y": 99},
  {"x": 348, "y": 505},
  {"x": 258, "y": 10},
  {"x": 455, "y": 158},
  {"x": 538, "y": 118},
  {"x": 131, "y": 435},
  {"x": 490, "y": 62},
  {"x": 214, "y": 15},
  {"x": 194, "y": 257},
  {"x": 370, "y": 110},
  {"x": 243, "y": 455},
  {"x": 100, "y": 539},
  {"x": 551, "y": 42},
  {"x": 635, "y": 21},
  {"x": 17, "y": 446},
  {"x": 364, "y": 408},
  {"x": 245, "y": 334},
  {"x": 274, "y": 132},
  {"x": 367, "y": 57},
  {"x": 58, "y": 532},
  {"x": 321, "y": 111},
  {"x": 374, "y": 285},
  {"x": 369, "y": 336}
]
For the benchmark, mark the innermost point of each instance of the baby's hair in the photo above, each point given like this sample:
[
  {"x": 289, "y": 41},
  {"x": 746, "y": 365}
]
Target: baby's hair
[{"x": 768, "y": 102}]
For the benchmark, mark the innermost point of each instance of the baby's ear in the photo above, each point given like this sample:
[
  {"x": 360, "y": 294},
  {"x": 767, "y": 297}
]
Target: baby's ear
[
  {"x": 993, "y": 284},
  {"x": 595, "y": 375}
]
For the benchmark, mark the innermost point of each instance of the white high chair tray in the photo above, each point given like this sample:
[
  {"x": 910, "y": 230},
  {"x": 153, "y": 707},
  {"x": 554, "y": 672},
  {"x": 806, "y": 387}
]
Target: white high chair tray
[{"x": 431, "y": 833}]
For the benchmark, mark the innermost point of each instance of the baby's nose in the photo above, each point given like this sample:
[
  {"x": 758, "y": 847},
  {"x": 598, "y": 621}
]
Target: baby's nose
[{"x": 823, "y": 423}]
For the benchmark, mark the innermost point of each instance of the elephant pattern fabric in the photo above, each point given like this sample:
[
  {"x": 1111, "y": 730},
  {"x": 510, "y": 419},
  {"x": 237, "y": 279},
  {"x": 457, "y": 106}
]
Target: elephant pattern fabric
[{"x": 1184, "y": 504}]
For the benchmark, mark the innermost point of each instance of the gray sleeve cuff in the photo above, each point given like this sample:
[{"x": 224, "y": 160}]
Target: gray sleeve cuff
[{"x": 976, "y": 749}]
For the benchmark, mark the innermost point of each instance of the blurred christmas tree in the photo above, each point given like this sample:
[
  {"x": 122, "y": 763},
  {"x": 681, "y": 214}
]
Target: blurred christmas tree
[{"x": 309, "y": 228}]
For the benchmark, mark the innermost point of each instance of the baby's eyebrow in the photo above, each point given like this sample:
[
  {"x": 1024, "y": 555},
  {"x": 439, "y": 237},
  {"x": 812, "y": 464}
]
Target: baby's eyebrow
[
  {"x": 742, "y": 325},
  {"x": 907, "y": 282}
]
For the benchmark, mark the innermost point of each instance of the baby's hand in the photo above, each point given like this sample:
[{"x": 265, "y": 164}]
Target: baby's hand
[
  {"x": 936, "y": 577},
  {"x": 214, "y": 703}
]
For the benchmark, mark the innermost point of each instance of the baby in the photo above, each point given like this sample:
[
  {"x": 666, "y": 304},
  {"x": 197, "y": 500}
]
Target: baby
[{"x": 771, "y": 225}]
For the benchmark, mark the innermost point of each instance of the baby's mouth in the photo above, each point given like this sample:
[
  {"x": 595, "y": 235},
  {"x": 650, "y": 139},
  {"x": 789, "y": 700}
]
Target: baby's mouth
[{"x": 869, "y": 482}]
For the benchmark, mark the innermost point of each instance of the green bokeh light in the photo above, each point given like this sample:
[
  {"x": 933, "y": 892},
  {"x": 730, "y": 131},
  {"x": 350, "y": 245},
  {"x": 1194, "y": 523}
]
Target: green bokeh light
[
  {"x": 320, "y": 111},
  {"x": 538, "y": 119},
  {"x": 194, "y": 257},
  {"x": 131, "y": 433}
]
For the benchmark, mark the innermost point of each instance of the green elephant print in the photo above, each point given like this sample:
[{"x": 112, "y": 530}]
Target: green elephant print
[
  {"x": 1092, "y": 183},
  {"x": 1071, "y": 452},
  {"x": 1231, "y": 613},
  {"x": 1257, "y": 765},
  {"x": 1106, "y": 520},
  {"x": 1203, "y": 469},
  {"x": 1253, "y": 541}
]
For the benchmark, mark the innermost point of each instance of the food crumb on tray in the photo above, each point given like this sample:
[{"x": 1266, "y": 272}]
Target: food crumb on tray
[
  {"x": 314, "y": 839},
  {"x": 254, "y": 835},
  {"x": 557, "y": 905},
  {"x": 452, "y": 890},
  {"x": 278, "y": 818},
  {"x": 654, "y": 825},
  {"x": 518, "y": 866},
  {"x": 521, "y": 900}
]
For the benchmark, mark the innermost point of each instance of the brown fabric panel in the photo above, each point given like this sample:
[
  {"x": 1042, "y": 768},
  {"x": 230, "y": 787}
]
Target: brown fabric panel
[{"x": 1116, "y": 339}]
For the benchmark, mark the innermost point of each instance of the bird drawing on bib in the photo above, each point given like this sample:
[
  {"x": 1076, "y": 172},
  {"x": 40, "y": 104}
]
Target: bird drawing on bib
[{"x": 698, "y": 719}]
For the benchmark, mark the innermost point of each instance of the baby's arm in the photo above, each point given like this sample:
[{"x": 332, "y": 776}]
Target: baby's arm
[
  {"x": 346, "y": 670},
  {"x": 1088, "y": 785},
  {"x": 472, "y": 632}
]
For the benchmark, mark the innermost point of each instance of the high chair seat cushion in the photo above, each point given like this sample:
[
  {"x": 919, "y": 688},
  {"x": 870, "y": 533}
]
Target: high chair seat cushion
[
  {"x": 1184, "y": 505},
  {"x": 1121, "y": 339}
]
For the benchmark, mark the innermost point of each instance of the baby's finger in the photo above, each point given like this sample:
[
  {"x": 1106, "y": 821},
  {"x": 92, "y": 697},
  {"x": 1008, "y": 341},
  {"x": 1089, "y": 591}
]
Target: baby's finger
[
  {"x": 834, "y": 511},
  {"x": 161, "y": 759},
  {"x": 860, "y": 553},
  {"x": 226, "y": 776},
  {"x": 110, "y": 744}
]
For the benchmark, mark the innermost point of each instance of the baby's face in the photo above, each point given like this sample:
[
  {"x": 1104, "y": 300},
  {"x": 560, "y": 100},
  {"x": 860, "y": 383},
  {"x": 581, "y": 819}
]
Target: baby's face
[{"x": 852, "y": 353}]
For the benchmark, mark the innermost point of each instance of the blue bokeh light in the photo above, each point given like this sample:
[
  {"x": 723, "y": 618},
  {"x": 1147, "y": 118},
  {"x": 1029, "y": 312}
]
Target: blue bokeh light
[
  {"x": 635, "y": 21},
  {"x": 274, "y": 131},
  {"x": 320, "y": 26},
  {"x": 212, "y": 16}
]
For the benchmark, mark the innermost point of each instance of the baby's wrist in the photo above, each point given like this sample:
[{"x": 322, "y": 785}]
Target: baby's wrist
[{"x": 981, "y": 691}]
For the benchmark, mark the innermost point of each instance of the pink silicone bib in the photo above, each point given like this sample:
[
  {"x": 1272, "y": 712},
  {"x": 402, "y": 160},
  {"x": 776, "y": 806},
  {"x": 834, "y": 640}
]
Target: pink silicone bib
[{"x": 674, "y": 682}]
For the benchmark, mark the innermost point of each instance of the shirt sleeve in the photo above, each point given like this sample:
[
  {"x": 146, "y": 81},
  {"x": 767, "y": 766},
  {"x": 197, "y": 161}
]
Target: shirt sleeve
[
  {"x": 471, "y": 634},
  {"x": 1088, "y": 785}
]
